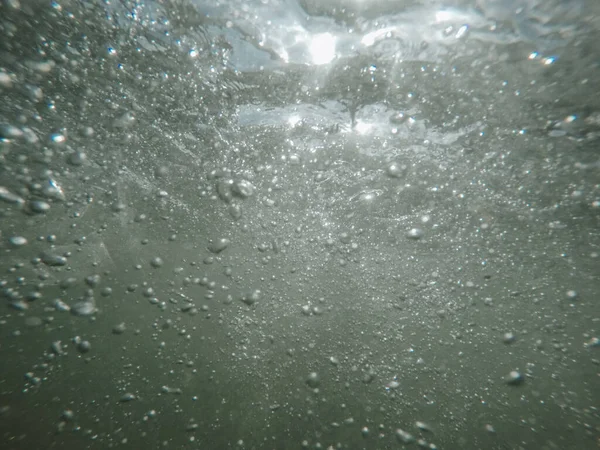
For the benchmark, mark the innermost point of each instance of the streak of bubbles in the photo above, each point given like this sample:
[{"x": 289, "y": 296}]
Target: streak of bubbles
[{"x": 301, "y": 223}]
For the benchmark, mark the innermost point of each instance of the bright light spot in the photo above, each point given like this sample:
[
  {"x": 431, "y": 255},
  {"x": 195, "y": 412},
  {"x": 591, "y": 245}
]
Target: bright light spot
[
  {"x": 549, "y": 60},
  {"x": 58, "y": 138},
  {"x": 375, "y": 36},
  {"x": 284, "y": 55},
  {"x": 570, "y": 118},
  {"x": 533, "y": 55},
  {"x": 362, "y": 127},
  {"x": 322, "y": 48},
  {"x": 55, "y": 188},
  {"x": 368, "y": 39},
  {"x": 193, "y": 53},
  {"x": 442, "y": 16},
  {"x": 462, "y": 31},
  {"x": 294, "y": 120}
]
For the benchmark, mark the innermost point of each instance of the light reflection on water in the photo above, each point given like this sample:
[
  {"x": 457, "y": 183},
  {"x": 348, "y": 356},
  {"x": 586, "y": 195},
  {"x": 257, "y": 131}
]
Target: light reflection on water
[
  {"x": 272, "y": 36},
  {"x": 361, "y": 162}
]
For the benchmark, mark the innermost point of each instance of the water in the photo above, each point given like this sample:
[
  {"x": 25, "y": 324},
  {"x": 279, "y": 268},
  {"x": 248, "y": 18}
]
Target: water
[{"x": 281, "y": 225}]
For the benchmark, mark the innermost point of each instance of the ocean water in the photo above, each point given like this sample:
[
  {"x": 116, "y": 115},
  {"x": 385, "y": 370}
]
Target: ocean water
[{"x": 299, "y": 224}]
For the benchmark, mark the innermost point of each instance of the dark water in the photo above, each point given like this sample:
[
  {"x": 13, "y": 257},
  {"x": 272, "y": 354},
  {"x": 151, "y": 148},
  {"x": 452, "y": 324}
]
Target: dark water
[{"x": 282, "y": 225}]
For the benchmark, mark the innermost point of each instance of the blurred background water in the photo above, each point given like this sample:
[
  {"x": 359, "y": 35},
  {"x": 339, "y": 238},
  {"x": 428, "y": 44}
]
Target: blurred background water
[{"x": 317, "y": 224}]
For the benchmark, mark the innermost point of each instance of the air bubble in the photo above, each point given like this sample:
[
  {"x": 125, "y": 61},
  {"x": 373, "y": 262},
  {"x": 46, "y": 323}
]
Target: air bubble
[
  {"x": 120, "y": 328},
  {"x": 252, "y": 297},
  {"x": 313, "y": 380},
  {"x": 219, "y": 245},
  {"x": 514, "y": 378},
  {"x": 156, "y": 262},
  {"x": 17, "y": 241},
  {"x": 414, "y": 234}
]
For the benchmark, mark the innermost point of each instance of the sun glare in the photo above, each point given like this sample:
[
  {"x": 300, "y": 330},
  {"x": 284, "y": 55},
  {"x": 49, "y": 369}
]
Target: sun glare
[{"x": 322, "y": 48}]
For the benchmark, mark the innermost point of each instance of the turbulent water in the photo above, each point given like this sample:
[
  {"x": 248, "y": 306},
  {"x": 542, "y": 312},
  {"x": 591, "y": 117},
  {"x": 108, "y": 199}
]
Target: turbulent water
[{"x": 304, "y": 224}]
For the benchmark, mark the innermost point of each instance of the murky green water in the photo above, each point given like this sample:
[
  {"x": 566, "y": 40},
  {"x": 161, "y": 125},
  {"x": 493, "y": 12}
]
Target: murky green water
[{"x": 285, "y": 225}]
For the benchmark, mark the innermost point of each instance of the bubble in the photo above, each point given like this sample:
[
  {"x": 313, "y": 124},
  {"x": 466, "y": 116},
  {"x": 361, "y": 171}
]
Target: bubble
[
  {"x": 84, "y": 346},
  {"x": 30, "y": 136},
  {"x": 53, "y": 260},
  {"x": 369, "y": 376},
  {"x": 77, "y": 158},
  {"x": 118, "y": 207},
  {"x": 57, "y": 348},
  {"x": 5, "y": 80},
  {"x": 398, "y": 118},
  {"x": 58, "y": 138},
  {"x": 252, "y": 297},
  {"x": 8, "y": 131},
  {"x": 119, "y": 329},
  {"x": 17, "y": 241},
  {"x": 514, "y": 378},
  {"x": 68, "y": 283},
  {"x": 313, "y": 380},
  {"x": 170, "y": 390},
  {"x": 462, "y": 32},
  {"x": 34, "y": 93},
  {"x": 92, "y": 280},
  {"x": 39, "y": 206},
  {"x": 423, "y": 426},
  {"x": 218, "y": 245},
  {"x": 161, "y": 172},
  {"x": 127, "y": 397},
  {"x": 67, "y": 415},
  {"x": 59, "y": 305},
  {"x": 87, "y": 131},
  {"x": 242, "y": 189},
  {"x": 106, "y": 291},
  {"x": 395, "y": 170},
  {"x": 235, "y": 211},
  {"x": 509, "y": 338},
  {"x": 403, "y": 436},
  {"x": 83, "y": 308},
  {"x": 572, "y": 295},
  {"x": 156, "y": 262},
  {"x": 394, "y": 384},
  {"x": 224, "y": 190},
  {"x": 53, "y": 190},
  {"x": 9, "y": 197},
  {"x": 32, "y": 296},
  {"x": 124, "y": 121},
  {"x": 414, "y": 234}
]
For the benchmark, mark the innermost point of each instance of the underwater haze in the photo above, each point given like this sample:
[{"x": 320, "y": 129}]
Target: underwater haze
[{"x": 300, "y": 224}]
